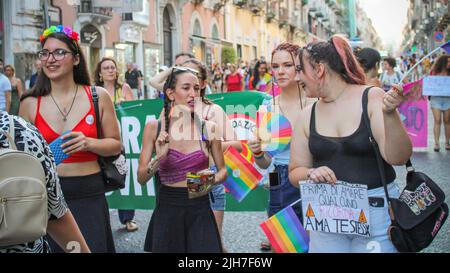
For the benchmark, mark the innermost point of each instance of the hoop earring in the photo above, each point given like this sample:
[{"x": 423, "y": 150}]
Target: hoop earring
[{"x": 101, "y": 78}]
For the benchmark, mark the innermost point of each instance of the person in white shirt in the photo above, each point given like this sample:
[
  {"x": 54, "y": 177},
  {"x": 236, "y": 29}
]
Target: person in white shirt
[
  {"x": 389, "y": 76},
  {"x": 5, "y": 90}
]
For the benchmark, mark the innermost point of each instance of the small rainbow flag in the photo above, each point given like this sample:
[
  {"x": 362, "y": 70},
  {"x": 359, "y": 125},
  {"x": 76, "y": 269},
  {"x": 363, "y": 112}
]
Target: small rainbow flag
[
  {"x": 242, "y": 175},
  {"x": 286, "y": 233},
  {"x": 246, "y": 152}
]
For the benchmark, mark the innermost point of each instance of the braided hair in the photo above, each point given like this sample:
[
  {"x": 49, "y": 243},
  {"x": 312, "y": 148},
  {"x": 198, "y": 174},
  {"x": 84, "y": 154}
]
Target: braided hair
[
  {"x": 338, "y": 55},
  {"x": 293, "y": 50}
]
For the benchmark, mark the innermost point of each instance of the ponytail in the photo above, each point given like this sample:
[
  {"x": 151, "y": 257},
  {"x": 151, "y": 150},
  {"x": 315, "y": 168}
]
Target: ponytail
[{"x": 352, "y": 67}]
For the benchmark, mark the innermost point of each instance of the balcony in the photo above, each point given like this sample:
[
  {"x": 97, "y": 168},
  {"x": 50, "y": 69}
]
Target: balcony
[
  {"x": 218, "y": 5},
  {"x": 294, "y": 20},
  {"x": 284, "y": 17},
  {"x": 197, "y": 2},
  {"x": 256, "y": 6},
  {"x": 270, "y": 15},
  {"x": 240, "y": 3},
  {"x": 96, "y": 14}
]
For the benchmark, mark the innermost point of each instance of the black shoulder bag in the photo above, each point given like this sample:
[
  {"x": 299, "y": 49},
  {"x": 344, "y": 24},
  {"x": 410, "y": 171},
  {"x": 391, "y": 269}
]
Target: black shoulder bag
[
  {"x": 420, "y": 212},
  {"x": 114, "y": 168}
]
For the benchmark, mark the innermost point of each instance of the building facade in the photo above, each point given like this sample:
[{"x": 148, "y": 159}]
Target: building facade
[
  {"x": 21, "y": 24},
  {"x": 428, "y": 20},
  {"x": 150, "y": 33}
]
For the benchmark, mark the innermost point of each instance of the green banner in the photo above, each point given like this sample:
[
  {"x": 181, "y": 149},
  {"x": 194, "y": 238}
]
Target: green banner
[{"x": 241, "y": 107}]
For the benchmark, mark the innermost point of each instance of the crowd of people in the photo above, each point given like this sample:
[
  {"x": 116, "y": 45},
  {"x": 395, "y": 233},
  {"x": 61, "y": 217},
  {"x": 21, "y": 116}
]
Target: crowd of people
[{"x": 309, "y": 86}]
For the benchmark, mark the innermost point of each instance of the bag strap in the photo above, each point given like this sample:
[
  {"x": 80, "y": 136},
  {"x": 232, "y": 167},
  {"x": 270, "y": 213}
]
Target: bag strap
[
  {"x": 365, "y": 102},
  {"x": 96, "y": 109},
  {"x": 376, "y": 148}
]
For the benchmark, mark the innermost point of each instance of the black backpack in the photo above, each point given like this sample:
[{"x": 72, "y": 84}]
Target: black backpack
[{"x": 420, "y": 212}]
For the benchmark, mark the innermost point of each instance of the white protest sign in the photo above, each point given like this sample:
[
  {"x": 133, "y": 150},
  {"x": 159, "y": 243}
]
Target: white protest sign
[
  {"x": 342, "y": 208},
  {"x": 436, "y": 86}
]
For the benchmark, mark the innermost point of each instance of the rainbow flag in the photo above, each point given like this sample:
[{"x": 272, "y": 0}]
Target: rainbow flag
[
  {"x": 286, "y": 233},
  {"x": 242, "y": 175},
  {"x": 246, "y": 152}
]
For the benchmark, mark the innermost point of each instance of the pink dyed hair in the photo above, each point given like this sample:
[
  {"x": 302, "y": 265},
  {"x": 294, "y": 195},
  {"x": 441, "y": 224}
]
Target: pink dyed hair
[{"x": 352, "y": 67}]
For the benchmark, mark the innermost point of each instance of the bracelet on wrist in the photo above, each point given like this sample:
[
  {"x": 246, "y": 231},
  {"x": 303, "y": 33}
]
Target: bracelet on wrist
[
  {"x": 258, "y": 155},
  {"x": 152, "y": 166}
]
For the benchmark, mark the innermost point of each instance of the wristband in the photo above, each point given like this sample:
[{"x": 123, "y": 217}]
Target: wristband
[
  {"x": 259, "y": 155},
  {"x": 152, "y": 168}
]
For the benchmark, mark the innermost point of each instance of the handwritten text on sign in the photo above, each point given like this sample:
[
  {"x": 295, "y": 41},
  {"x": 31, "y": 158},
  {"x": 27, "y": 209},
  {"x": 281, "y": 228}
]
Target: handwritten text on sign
[
  {"x": 436, "y": 86},
  {"x": 342, "y": 208}
]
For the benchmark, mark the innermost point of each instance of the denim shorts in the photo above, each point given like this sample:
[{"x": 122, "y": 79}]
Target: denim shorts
[
  {"x": 284, "y": 194},
  {"x": 217, "y": 197},
  {"x": 378, "y": 242},
  {"x": 441, "y": 103}
]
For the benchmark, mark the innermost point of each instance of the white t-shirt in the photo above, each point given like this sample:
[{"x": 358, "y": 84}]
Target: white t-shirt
[
  {"x": 5, "y": 86},
  {"x": 388, "y": 80}
]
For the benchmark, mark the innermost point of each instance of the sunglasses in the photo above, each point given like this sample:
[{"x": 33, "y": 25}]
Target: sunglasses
[{"x": 183, "y": 69}]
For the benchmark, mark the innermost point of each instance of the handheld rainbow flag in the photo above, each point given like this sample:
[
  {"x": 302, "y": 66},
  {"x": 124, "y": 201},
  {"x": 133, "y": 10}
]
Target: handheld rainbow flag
[
  {"x": 246, "y": 152},
  {"x": 242, "y": 175},
  {"x": 274, "y": 130},
  {"x": 286, "y": 233}
]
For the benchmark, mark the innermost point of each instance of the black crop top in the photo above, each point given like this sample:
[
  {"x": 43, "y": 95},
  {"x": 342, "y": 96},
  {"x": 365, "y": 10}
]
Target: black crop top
[{"x": 352, "y": 158}]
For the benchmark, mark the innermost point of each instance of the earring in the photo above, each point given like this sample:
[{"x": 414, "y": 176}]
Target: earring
[{"x": 101, "y": 78}]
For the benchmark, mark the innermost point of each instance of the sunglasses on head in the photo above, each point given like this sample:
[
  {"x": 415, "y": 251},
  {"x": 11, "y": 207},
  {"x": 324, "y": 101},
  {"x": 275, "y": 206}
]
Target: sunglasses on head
[{"x": 185, "y": 69}]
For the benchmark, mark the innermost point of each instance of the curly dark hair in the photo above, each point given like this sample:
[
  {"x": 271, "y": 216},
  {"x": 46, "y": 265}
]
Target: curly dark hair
[
  {"x": 391, "y": 61},
  {"x": 441, "y": 65}
]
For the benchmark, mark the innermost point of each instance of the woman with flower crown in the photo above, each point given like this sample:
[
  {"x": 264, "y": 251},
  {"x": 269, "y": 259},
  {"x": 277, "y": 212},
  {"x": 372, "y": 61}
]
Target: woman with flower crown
[{"x": 62, "y": 87}]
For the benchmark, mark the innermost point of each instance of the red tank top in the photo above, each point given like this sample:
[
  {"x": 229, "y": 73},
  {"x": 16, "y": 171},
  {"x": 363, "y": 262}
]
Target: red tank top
[{"x": 87, "y": 125}]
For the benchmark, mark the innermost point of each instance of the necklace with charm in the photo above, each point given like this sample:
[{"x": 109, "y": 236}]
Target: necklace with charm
[{"x": 65, "y": 113}]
